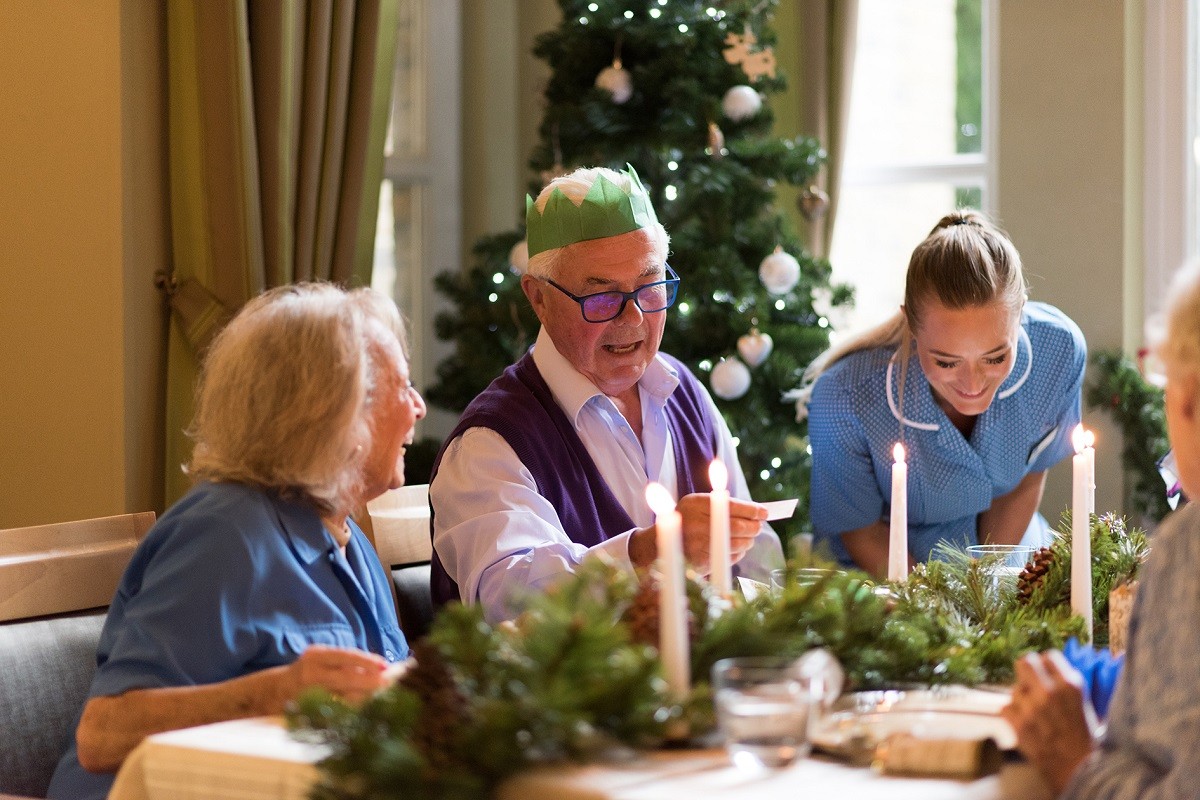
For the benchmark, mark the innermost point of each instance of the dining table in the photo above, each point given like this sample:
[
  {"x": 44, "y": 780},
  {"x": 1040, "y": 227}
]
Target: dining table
[{"x": 258, "y": 759}]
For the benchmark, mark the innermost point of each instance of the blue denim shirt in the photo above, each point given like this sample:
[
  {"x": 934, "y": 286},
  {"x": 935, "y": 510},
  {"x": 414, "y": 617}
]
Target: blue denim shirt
[{"x": 230, "y": 581}]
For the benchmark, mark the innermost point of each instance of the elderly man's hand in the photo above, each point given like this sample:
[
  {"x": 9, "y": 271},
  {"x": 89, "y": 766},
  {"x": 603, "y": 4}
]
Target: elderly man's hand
[
  {"x": 352, "y": 675},
  {"x": 1053, "y": 723},
  {"x": 745, "y": 522}
]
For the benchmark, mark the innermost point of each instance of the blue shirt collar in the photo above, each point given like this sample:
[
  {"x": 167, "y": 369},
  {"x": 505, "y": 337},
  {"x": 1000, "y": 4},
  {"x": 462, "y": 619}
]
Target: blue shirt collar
[{"x": 304, "y": 529}]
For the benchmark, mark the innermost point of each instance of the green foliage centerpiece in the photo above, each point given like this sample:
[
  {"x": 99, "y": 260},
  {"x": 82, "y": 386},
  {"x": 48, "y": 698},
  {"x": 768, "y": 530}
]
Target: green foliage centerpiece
[{"x": 577, "y": 677}]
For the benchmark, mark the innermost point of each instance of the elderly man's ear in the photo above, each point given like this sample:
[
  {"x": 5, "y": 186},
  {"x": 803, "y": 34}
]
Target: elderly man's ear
[{"x": 535, "y": 290}]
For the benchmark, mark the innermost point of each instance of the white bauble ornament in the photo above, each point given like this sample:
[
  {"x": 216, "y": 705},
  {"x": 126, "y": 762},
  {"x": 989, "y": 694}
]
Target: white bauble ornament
[
  {"x": 779, "y": 272},
  {"x": 518, "y": 257},
  {"x": 730, "y": 379},
  {"x": 616, "y": 81},
  {"x": 741, "y": 102},
  {"x": 754, "y": 347}
]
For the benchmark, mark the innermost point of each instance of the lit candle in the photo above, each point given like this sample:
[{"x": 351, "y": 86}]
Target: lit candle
[
  {"x": 898, "y": 541},
  {"x": 672, "y": 593},
  {"x": 1089, "y": 450},
  {"x": 1082, "y": 466},
  {"x": 720, "y": 572}
]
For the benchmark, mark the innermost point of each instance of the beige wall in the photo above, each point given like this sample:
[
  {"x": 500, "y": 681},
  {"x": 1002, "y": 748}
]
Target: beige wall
[
  {"x": 81, "y": 197},
  {"x": 502, "y": 109},
  {"x": 1063, "y": 193}
]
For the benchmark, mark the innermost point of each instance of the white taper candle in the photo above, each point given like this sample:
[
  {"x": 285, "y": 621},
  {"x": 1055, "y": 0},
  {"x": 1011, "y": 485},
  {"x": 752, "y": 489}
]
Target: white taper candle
[
  {"x": 672, "y": 593},
  {"x": 1081, "y": 522},
  {"x": 898, "y": 538},
  {"x": 720, "y": 560}
]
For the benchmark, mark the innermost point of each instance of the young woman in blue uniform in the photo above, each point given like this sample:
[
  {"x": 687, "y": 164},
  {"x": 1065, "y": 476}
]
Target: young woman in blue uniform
[{"x": 981, "y": 386}]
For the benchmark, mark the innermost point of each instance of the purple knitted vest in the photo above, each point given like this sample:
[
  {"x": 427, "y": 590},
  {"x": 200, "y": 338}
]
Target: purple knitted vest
[{"x": 520, "y": 407}]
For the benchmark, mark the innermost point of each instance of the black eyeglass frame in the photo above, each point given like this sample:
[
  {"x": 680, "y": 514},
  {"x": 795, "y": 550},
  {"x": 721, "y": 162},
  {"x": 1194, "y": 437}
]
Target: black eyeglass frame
[{"x": 672, "y": 283}]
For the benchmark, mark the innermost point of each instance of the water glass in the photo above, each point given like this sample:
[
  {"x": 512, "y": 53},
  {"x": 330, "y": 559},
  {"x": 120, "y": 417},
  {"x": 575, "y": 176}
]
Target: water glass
[
  {"x": 1004, "y": 562},
  {"x": 804, "y": 576},
  {"x": 763, "y": 706},
  {"x": 1008, "y": 559}
]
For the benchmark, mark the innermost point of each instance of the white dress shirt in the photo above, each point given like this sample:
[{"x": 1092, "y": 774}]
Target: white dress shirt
[{"x": 499, "y": 539}]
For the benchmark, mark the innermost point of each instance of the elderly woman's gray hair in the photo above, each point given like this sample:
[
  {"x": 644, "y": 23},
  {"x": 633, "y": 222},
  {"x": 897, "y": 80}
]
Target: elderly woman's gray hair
[
  {"x": 1181, "y": 346},
  {"x": 285, "y": 389}
]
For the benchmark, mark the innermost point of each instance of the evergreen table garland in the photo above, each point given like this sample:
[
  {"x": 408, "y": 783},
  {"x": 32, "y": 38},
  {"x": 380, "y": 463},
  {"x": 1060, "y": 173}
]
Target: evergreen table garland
[{"x": 570, "y": 680}]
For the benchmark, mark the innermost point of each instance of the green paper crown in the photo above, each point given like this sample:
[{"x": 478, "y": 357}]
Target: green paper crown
[{"x": 607, "y": 210}]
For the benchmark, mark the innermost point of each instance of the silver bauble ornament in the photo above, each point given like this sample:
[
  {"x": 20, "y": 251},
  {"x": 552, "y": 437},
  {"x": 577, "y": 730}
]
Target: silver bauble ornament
[
  {"x": 813, "y": 203},
  {"x": 616, "y": 81},
  {"x": 779, "y": 272},
  {"x": 518, "y": 257},
  {"x": 730, "y": 379},
  {"x": 755, "y": 347},
  {"x": 741, "y": 102}
]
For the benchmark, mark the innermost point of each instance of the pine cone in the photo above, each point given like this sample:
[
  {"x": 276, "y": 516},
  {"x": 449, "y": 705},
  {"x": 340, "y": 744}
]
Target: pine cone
[
  {"x": 1031, "y": 577},
  {"x": 445, "y": 707},
  {"x": 642, "y": 615}
]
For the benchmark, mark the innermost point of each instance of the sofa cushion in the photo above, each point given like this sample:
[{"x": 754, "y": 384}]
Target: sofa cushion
[{"x": 46, "y": 667}]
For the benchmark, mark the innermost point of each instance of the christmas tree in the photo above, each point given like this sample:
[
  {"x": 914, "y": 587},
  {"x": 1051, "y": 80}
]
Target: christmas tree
[{"x": 679, "y": 89}]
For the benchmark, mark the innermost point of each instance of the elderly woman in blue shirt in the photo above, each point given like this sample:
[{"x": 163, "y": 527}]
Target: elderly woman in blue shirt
[
  {"x": 257, "y": 585},
  {"x": 1151, "y": 750},
  {"x": 980, "y": 386}
]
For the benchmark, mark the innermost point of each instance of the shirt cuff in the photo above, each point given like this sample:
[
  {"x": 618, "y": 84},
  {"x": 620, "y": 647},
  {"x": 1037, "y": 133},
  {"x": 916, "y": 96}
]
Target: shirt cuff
[{"x": 614, "y": 550}]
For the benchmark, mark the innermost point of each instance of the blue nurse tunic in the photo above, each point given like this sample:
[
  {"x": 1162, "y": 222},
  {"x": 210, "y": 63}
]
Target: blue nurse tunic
[{"x": 855, "y": 420}]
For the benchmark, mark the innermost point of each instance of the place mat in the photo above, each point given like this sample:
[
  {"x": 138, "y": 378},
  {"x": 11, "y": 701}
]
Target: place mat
[{"x": 862, "y": 720}]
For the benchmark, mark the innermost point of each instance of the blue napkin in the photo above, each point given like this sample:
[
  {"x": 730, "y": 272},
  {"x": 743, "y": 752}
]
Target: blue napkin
[{"x": 1100, "y": 670}]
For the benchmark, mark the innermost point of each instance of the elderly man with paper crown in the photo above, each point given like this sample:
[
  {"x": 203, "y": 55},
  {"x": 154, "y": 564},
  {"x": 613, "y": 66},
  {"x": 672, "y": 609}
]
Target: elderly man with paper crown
[{"x": 549, "y": 465}]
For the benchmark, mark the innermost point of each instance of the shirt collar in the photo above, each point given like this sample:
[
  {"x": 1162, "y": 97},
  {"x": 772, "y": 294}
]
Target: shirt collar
[
  {"x": 918, "y": 399},
  {"x": 304, "y": 530},
  {"x": 572, "y": 390}
]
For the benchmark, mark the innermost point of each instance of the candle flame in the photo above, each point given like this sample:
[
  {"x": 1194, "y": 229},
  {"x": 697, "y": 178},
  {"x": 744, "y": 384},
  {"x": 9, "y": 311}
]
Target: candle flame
[
  {"x": 659, "y": 499},
  {"x": 718, "y": 475},
  {"x": 898, "y": 453},
  {"x": 1081, "y": 438}
]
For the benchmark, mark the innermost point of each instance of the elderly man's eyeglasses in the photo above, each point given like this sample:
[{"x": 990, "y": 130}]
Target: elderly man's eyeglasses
[{"x": 605, "y": 306}]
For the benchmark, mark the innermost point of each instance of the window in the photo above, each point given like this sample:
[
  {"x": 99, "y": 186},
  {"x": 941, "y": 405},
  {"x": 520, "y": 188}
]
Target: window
[
  {"x": 917, "y": 143},
  {"x": 419, "y": 226},
  {"x": 1171, "y": 189}
]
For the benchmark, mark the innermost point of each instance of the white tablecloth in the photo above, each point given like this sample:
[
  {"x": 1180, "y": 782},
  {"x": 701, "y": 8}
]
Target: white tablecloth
[{"x": 256, "y": 760}]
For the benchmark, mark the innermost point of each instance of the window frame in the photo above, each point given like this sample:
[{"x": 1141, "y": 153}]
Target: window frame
[
  {"x": 964, "y": 169},
  {"x": 1169, "y": 181}
]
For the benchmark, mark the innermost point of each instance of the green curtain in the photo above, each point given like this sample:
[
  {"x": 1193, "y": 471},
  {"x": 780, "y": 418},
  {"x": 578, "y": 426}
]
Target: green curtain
[
  {"x": 828, "y": 33},
  {"x": 278, "y": 111}
]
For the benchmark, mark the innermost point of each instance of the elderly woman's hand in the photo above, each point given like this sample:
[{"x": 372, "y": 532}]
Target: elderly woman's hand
[
  {"x": 351, "y": 675},
  {"x": 1054, "y": 725}
]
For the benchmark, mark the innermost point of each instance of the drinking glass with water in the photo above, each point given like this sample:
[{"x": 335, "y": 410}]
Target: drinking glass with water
[{"x": 764, "y": 705}]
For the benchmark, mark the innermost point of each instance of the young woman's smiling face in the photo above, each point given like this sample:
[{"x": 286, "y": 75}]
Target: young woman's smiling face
[{"x": 966, "y": 353}]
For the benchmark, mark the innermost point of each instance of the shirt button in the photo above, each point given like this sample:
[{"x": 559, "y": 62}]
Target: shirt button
[{"x": 389, "y": 655}]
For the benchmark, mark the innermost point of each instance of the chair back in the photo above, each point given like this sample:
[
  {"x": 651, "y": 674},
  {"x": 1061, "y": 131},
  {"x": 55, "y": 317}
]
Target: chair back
[
  {"x": 66, "y": 566},
  {"x": 400, "y": 524},
  {"x": 48, "y": 575}
]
